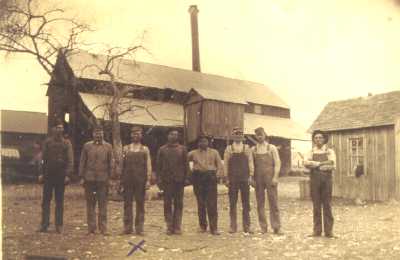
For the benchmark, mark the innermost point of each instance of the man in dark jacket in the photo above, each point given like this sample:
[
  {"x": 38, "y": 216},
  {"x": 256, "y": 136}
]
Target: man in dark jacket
[
  {"x": 172, "y": 167},
  {"x": 95, "y": 169},
  {"x": 57, "y": 169}
]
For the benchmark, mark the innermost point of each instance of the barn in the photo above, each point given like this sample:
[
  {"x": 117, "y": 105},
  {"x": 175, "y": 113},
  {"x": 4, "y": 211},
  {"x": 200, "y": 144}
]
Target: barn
[
  {"x": 195, "y": 102},
  {"x": 173, "y": 97},
  {"x": 365, "y": 132}
]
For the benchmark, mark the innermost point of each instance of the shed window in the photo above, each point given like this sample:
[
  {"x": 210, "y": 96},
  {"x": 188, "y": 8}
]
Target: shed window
[{"x": 356, "y": 148}]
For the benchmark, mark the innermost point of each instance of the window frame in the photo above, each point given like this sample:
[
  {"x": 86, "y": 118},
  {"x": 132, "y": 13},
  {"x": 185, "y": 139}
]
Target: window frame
[{"x": 359, "y": 154}]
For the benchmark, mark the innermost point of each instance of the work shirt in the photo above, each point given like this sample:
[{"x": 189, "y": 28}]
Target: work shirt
[
  {"x": 206, "y": 160},
  {"x": 137, "y": 148},
  {"x": 97, "y": 161},
  {"x": 308, "y": 162},
  {"x": 58, "y": 156},
  {"x": 238, "y": 148},
  {"x": 172, "y": 163},
  {"x": 265, "y": 147}
]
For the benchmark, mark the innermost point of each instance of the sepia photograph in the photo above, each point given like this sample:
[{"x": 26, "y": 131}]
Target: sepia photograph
[{"x": 200, "y": 129}]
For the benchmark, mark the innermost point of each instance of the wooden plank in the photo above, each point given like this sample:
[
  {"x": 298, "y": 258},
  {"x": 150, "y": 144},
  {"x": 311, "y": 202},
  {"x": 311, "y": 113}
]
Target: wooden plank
[{"x": 397, "y": 156}]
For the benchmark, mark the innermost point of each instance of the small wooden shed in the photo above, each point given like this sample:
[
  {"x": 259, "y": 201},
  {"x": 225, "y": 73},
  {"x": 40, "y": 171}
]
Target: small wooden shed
[
  {"x": 365, "y": 132},
  {"x": 212, "y": 114}
]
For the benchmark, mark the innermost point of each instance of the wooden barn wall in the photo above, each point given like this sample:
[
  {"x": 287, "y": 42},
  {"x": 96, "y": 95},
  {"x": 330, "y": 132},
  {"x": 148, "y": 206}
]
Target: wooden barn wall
[
  {"x": 397, "y": 156},
  {"x": 379, "y": 181},
  {"x": 219, "y": 118},
  {"x": 192, "y": 121}
]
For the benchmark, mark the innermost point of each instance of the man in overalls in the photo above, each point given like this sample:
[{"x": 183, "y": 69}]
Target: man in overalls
[
  {"x": 136, "y": 173},
  {"x": 172, "y": 169},
  {"x": 321, "y": 161},
  {"x": 95, "y": 170},
  {"x": 239, "y": 168},
  {"x": 267, "y": 166},
  {"x": 207, "y": 166},
  {"x": 57, "y": 170}
]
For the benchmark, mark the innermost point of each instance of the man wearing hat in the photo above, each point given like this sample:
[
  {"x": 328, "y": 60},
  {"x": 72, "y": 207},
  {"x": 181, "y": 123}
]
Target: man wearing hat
[
  {"x": 239, "y": 169},
  {"x": 172, "y": 168},
  {"x": 321, "y": 161},
  {"x": 136, "y": 173},
  {"x": 267, "y": 166},
  {"x": 207, "y": 167},
  {"x": 95, "y": 169},
  {"x": 57, "y": 169}
]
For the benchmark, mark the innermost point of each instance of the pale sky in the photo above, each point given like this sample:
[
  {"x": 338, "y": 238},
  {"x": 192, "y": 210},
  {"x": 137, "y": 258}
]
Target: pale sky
[{"x": 309, "y": 52}]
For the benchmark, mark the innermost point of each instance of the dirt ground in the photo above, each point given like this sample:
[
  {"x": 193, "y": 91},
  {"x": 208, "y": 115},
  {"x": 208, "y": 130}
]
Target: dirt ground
[{"x": 364, "y": 232}]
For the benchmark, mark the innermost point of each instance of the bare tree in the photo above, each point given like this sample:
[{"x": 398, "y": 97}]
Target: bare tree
[
  {"x": 28, "y": 28},
  {"x": 116, "y": 104}
]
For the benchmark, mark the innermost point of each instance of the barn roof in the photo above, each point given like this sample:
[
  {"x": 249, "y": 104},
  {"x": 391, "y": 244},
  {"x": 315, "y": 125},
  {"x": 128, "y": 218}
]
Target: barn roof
[
  {"x": 159, "y": 76},
  {"x": 275, "y": 126},
  {"x": 23, "y": 122},
  {"x": 159, "y": 113},
  {"x": 371, "y": 111}
]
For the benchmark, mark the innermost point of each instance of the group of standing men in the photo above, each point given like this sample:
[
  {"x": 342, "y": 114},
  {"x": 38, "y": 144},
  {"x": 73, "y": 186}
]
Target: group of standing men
[{"x": 243, "y": 167}]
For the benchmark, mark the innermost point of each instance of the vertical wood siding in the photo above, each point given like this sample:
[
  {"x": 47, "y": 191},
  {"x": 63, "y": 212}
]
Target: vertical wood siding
[{"x": 379, "y": 182}]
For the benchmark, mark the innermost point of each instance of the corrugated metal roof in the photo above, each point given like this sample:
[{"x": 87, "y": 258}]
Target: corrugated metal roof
[
  {"x": 23, "y": 122},
  {"x": 371, "y": 111},
  {"x": 165, "y": 114},
  {"x": 215, "y": 95},
  {"x": 275, "y": 126},
  {"x": 159, "y": 76}
]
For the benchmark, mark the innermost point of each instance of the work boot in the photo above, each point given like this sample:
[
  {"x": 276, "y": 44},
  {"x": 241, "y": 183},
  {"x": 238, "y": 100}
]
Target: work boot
[
  {"x": 277, "y": 232},
  {"x": 42, "y": 229},
  {"x": 169, "y": 232},
  {"x": 59, "y": 229},
  {"x": 202, "y": 230},
  {"x": 232, "y": 230},
  {"x": 215, "y": 233}
]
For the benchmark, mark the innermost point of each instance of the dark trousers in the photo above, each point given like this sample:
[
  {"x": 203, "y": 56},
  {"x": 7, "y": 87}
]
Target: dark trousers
[
  {"x": 321, "y": 195},
  {"x": 96, "y": 191},
  {"x": 244, "y": 188},
  {"x": 131, "y": 191},
  {"x": 272, "y": 194},
  {"x": 50, "y": 184},
  {"x": 205, "y": 189},
  {"x": 173, "y": 204}
]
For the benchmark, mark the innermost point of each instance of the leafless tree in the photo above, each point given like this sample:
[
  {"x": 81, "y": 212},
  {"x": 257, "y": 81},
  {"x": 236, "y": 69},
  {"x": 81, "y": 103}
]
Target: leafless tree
[
  {"x": 28, "y": 28},
  {"x": 117, "y": 104}
]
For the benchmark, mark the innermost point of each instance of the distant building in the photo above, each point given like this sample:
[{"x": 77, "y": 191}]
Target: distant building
[
  {"x": 365, "y": 133},
  {"x": 20, "y": 131}
]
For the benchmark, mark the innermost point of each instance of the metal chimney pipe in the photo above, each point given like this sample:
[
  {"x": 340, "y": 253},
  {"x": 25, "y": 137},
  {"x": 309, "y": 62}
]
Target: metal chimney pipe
[{"x": 195, "y": 38}]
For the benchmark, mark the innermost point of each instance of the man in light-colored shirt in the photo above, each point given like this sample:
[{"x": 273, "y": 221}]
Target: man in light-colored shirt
[
  {"x": 267, "y": 166},
  {"x": 239, "y": 169},
  {"x": 136, "y": 173},
  {"x": 95, "y": 169},
  {"x": 207, "y": 166},
  {"x": 321, "y": 161}
]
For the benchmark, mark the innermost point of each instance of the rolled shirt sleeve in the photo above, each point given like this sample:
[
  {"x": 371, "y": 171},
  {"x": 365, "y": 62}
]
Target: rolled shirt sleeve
[
  {"x": 249, "y": 154},
  {"x": 149, "y": 167},
  {"x": 277, "y": 161},
  {"x": 308, "y": 162},
  {"x": 218, "y": 164},
  {"x": 82, "y": 163},
  {"x": 227, "y": 156}
]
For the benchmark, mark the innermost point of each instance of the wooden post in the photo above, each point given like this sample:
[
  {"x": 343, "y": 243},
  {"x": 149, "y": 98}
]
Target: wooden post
[{"x": 397, "y": 156}]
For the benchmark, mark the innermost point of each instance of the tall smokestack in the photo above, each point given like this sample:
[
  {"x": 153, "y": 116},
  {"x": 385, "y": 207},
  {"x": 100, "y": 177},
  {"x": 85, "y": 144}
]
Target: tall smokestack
[{"x": 195, "y": 38}]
